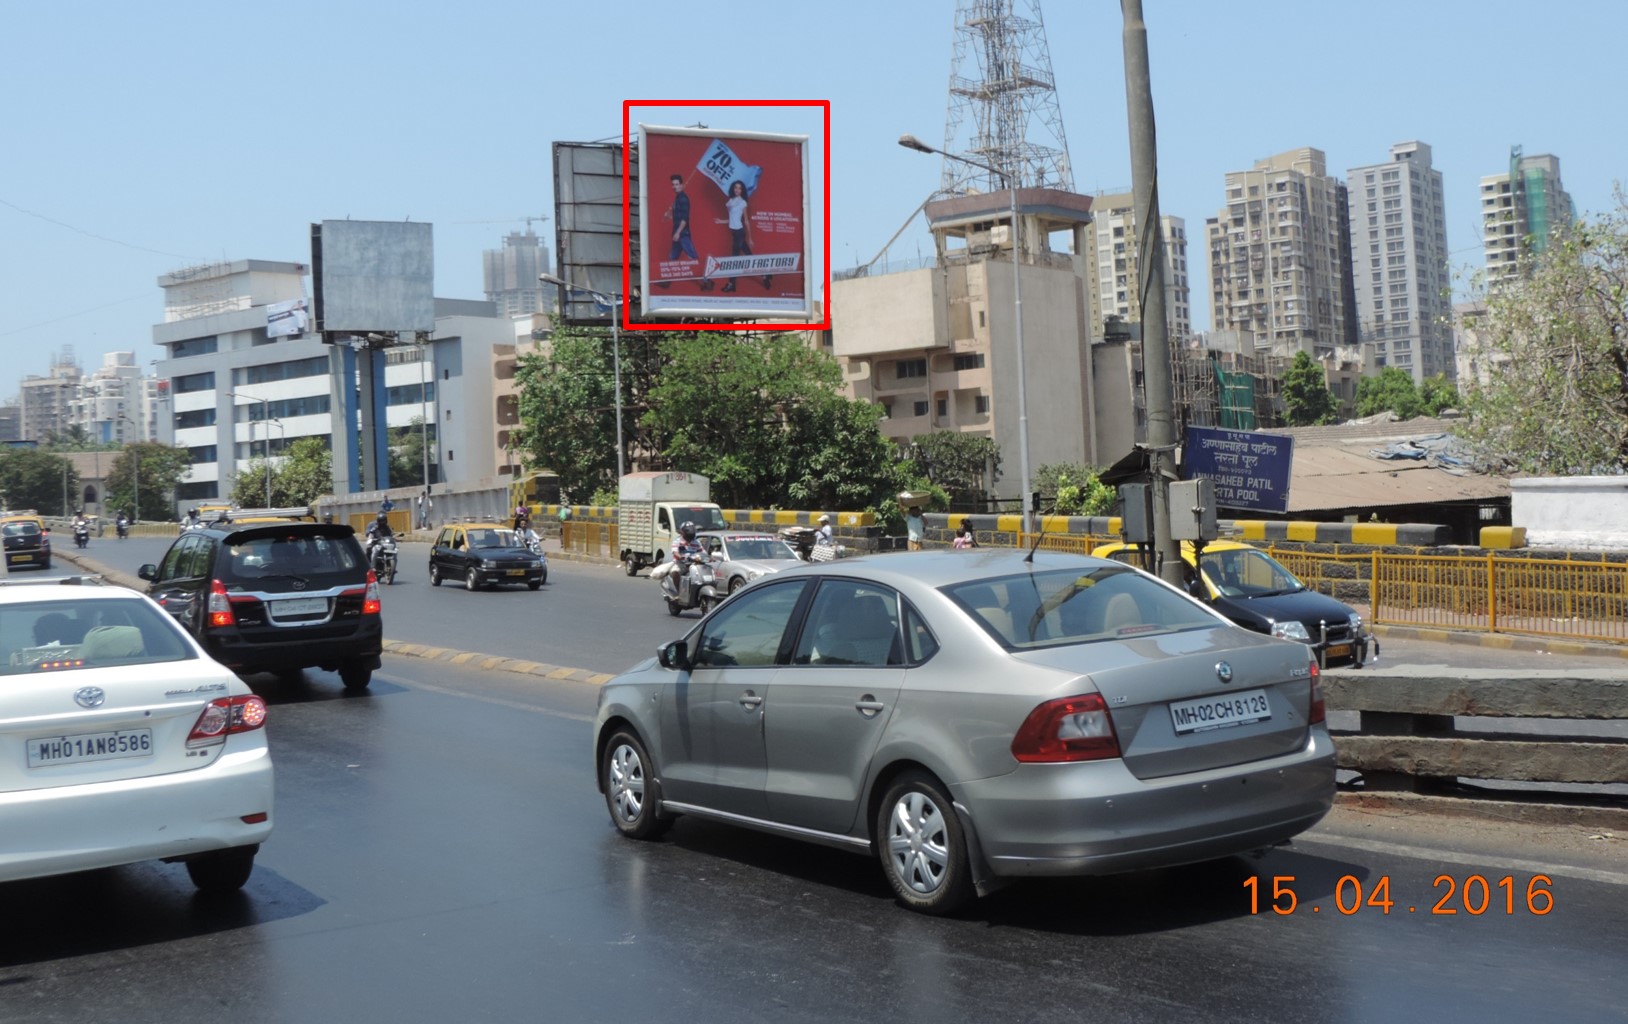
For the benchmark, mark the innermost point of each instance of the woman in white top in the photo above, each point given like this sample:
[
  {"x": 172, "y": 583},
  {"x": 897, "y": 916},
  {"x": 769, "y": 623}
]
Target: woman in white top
[{"x": 740, "y": 226}]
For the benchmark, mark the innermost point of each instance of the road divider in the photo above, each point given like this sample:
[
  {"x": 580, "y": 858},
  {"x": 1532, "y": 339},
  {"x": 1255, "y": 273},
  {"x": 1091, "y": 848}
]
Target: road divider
[{"x": 1437, "y": 734}]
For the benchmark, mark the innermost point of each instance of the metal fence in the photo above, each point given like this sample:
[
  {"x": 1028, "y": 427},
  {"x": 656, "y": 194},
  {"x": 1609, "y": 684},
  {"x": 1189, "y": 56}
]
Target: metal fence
[
  {"x": 1548, "y": 597},
  {"x": 1535, "y": 597}
]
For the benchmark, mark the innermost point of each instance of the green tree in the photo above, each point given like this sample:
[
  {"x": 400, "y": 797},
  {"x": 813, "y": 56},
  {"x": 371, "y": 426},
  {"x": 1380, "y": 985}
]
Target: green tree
[
  {"x": 1392, "y": 390},
  {"x": 1307, "y": 401},
  {"x": 31, "y": 478},
  {"x": 1555, "y": 345},
  {"x": 300, "y": 476},
  {"x": 76, "y": 439},
  {"x": 407, "y": 462},
  {"x": 150, "y": 470},
  {"x": 964, "y": 465},
  {"x": 1075, "y": 490},
  {"x": 837, "y": 458},
  {"x": 567, "y": 408},
  {"x": 1438, "y": 394},
  {"x": 763, "y": 416}
]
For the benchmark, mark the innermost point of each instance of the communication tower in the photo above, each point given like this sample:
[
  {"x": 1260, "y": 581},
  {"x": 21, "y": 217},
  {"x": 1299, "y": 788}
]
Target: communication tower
[{"x": 1003, "y": 100}]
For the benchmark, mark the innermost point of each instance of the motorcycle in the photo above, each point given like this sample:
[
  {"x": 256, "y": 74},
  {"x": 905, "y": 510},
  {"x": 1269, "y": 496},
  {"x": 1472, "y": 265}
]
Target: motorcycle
[
  {"x": 122, "y": 527},
  {"x": 694, "y": 585},
  {"x": 383, "y": 555},
  {"x": 81, "y": 535}
]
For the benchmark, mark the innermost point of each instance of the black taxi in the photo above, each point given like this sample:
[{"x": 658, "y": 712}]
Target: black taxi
[
  {"x": 484, "y": 554},
  {"x": 26, "y": 539}
]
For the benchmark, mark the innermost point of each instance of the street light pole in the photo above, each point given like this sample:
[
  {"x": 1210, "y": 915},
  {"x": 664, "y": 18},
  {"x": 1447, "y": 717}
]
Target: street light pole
[
  {"x": 615, "y": 305},
  {"x": 265, "y": 409},
  {"x": 911, "y": 142}
]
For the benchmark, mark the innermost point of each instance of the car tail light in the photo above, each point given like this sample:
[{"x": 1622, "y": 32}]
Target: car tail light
[
  {"x": 1069, "y": 729},
  {"x": 220, "y": 718},
  {"x": 370, "y": 597},
  {"x": 220, "y": 606},
  {"x": 1319, "y": 710}
]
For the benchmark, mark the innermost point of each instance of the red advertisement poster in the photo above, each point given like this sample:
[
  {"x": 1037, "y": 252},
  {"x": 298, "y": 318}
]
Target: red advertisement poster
[{"x": 723, "y": 222}]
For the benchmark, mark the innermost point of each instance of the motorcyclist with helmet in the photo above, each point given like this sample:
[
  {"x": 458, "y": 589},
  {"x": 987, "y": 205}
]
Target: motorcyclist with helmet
[
  {"x": 687, "y": 551},
  {"x": 377, "y": 531}
]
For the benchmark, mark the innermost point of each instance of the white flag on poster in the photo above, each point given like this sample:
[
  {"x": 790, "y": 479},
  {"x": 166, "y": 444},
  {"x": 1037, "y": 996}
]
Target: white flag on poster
[{"x": 721, "y": 164}]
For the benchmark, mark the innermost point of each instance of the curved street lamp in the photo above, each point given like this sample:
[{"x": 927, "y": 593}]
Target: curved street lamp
[{"x": 911, "y": 142}]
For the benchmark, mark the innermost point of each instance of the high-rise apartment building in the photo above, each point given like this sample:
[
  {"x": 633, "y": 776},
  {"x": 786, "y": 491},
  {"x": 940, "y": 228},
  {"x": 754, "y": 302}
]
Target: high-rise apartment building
[
  {"x": 511, "y": 275},
  {"x": 1399, "y": 263},
  {"x": 1112, "y": 264},
  {"x": 46, "y": 403},
  {"x": 1521, "y": 210},
  {"x": 1280, "y": 257},
  {"x": 109, "y": 405}
]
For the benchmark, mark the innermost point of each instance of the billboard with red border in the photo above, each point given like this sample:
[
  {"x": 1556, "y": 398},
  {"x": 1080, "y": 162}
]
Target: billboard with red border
[{"x": 725, "y": 227}]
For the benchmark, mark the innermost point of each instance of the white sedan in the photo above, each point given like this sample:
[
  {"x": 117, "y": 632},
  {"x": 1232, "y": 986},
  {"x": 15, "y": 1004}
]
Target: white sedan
[{"x": 121, "y": 741}]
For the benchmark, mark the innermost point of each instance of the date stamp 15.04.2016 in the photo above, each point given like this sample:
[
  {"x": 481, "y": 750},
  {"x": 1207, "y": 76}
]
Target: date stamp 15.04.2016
[{"x": 1472, "y": 895}]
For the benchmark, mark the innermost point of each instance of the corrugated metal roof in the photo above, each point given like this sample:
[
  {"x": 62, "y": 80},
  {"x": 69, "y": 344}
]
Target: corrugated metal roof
[
  {"x": 1328, "y": 474},
  {"x": 1335, "y": 467}
]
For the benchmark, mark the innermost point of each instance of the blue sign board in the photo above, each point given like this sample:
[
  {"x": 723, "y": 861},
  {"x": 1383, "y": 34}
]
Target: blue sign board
[{"x": 1250, "y": 470}]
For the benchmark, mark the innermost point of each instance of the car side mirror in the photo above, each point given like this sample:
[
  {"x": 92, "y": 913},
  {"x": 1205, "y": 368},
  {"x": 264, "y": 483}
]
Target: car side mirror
[
  {"x": 675, "y": 655},
  {"x": 148, "y": 571}
]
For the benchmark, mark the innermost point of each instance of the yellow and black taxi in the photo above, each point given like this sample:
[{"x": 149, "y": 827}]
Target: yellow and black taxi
[
  {"x": 484, "y": 554},
  {"x": 1254, "y": 590},
  {"x": 26, "y": 539},
  {"x": 272, "y": 590}
]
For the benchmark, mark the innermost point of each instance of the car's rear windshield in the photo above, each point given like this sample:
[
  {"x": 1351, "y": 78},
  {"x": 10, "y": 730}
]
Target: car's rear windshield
[
  {"x": 297, "y": 554},
  {"x": 1056, "y": 607},
  {"x": 61, "y": 636},
  {"x": 760, "y": 549},
  {"x": 20, "y": 529}
]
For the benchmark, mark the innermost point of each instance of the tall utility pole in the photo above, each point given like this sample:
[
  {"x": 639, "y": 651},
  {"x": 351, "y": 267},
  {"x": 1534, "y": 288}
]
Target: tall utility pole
[{"x": 1161, "y": 442}]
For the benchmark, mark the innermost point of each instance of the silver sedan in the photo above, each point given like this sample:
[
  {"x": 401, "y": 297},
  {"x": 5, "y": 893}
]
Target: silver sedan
[
  {"x": 970, "y": 718},
  {"x": 744, "y": 557}
]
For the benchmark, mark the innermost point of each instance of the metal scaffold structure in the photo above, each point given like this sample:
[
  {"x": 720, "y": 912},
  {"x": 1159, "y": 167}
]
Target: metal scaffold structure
[
  {"x": 1001, "y": 89},
  {"x": 1215, "y": 388}
]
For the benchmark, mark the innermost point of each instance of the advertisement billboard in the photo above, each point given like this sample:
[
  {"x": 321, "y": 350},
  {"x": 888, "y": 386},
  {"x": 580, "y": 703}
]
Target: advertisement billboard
[
  {"x": 588, "y": 219},
  {"x": 1250, "y": 470},
  {"x": 373, "y": 276},
  {"x": 724, "y": 230},
  {"x": 287, "y": 319}
]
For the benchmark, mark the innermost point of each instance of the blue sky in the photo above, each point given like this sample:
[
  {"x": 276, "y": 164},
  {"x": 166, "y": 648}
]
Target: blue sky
[{"x": 141, "y": 138}]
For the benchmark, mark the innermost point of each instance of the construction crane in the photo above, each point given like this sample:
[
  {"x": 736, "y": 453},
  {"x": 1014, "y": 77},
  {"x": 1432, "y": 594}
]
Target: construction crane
[{"x": 506, "y": 220}]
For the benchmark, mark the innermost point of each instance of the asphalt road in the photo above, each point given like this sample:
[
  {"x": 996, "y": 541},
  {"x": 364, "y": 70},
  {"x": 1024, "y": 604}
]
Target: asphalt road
[
  {"x": 594, "y": 617},
  {"x": 441, "y": 854}
]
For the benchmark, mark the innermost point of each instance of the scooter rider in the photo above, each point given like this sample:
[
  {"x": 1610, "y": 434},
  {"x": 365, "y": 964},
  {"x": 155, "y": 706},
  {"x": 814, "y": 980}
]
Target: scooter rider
[
  {"x": 377, "y": 531},
  {"x": 686, "y": 552}
]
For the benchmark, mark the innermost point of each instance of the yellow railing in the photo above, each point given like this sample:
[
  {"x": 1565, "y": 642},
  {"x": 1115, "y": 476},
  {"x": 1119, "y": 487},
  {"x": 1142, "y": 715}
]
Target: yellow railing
[
  {"x": 1073, "y": 543},
  {"x": 1537, "y": 597},
  {"x": 1562, "y": 598}
]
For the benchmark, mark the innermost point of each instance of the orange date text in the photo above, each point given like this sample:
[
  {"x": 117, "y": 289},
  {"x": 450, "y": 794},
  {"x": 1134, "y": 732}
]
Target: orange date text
[{"x": 1473, "y": 895}]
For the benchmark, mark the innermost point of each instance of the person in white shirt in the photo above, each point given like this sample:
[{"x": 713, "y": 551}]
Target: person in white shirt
[{"x": 740, "y": 226}]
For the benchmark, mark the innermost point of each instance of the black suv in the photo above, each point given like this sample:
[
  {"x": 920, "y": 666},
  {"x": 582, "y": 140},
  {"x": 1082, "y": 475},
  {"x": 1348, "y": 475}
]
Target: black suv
[{"x": 275, "y": 596}]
